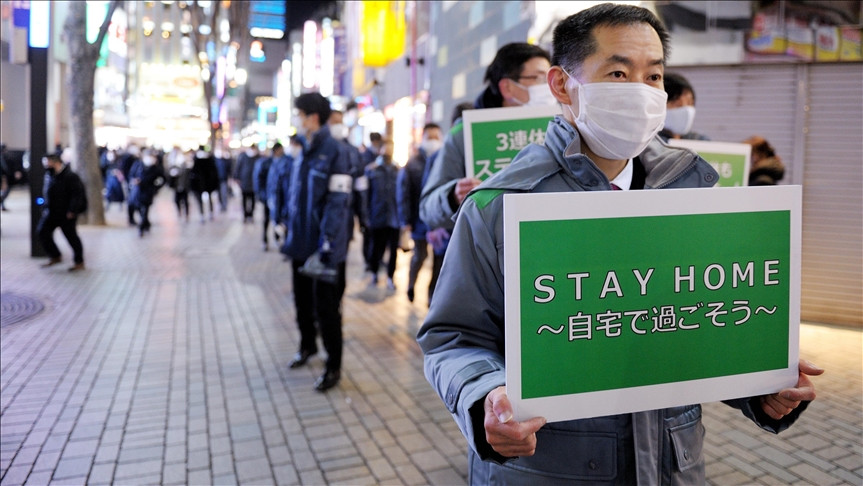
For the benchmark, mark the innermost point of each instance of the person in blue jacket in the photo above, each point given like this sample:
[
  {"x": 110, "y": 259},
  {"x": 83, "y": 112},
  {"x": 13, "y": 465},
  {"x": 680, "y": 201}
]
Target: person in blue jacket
[
  {"x": 145, "y": 179},
  {"x": 261, "y": 173},
  {"x": 317, "y": 229},
  {"x": 606, "y": 56},
  {"x": 278, "y": 182},
  {"x": 383, "y": 213}
]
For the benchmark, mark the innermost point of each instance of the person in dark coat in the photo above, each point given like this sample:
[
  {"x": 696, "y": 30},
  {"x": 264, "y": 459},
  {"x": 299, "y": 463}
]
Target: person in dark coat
[
  {"x": 410, "y": 186},
  {"x": 180, "y": 173},
  {"x": 64, "y": 199},
  {"x": 127, "y": 160},
  {"x": 145, "y": 179},
  {"x": 383, "y": 213},
  {"x": 204, "y": 180},
  {"x": 114, "y": 180},
  {"x": 224, "y": 166},
  {"x": 244, "y": 174}
]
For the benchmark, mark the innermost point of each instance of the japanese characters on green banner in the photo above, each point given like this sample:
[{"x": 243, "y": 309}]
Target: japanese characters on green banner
[
  {"x": 731, "y": 160},
  {"x": 493, "y": 137},
  {"x": 618, "y": 302}
]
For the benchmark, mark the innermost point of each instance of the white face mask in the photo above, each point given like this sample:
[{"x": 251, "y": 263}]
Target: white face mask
[
  {"x": 679, "y": 120},
  {"x": 537, "y": 95},
  {"x": 295, "y": 151},
  {"x": 149, "y": 160},
  {"x": 339, "y": 131},
  {"x": 617, "y": 120},
  {"x": 430, "y": 146}
]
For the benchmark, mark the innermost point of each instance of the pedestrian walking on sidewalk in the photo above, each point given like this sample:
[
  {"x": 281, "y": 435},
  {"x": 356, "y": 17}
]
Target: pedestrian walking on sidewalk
[
  {"x": 145, "y": 180},
  {"x": 64, "y": 199},
  {"x": 410, "y": 186},
  {"x": 383, "y": 213},
  {"x": 260, "y": 173}
]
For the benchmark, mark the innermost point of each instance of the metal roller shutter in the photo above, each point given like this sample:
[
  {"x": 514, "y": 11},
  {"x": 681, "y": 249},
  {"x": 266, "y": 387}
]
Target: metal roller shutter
[
  {"x": 832, "y": 270},
  {"x": 813, "y": 115}
]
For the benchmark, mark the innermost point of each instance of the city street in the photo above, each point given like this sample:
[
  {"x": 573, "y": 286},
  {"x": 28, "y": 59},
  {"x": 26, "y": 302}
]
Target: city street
[{"x": 165, "y": 362}]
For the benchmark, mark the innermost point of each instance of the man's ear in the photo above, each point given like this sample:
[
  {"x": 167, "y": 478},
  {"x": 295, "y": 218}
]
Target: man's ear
[
  {"x": 505, "y": 88},
  {"x": 557, "y": 83}
]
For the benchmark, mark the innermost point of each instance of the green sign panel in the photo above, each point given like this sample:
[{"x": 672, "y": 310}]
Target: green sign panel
[
  {"x": 493, "y": 137},
  {"x": 645, "y": 301},
  {"x": 731, "y": 160},
  {"x": 623, "y": 301}
]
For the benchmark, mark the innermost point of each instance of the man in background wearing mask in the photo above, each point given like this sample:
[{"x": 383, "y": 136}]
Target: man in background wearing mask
[
  {"x": 65, "y": 199},
  {"x": 516, "y": 77},
  {"x": 409, "y": 187},
  {"x": 607, "y": 73},
  {"x": 680, "y": 109},
  {"x": 317, "y": 226}
]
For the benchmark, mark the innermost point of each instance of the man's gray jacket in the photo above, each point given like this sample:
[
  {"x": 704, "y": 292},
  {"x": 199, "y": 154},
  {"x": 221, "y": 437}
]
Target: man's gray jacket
[{"x": 463, "y": 337}]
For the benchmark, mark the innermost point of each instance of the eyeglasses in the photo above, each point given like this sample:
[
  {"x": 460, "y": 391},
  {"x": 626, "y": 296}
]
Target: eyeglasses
[{"x": 535, "y": 79}]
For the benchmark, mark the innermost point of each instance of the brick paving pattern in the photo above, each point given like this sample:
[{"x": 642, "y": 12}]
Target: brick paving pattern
[{"x": 165, "y": 363}]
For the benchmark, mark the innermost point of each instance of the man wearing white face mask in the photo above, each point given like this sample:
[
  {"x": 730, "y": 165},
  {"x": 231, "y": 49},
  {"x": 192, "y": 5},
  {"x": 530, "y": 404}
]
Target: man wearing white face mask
[
  {"x": 607, "y": 73},
  {"x": 408, "y": 189},
  {"x": 680, "y": 109},
  {"x": 515, "y": 77}
]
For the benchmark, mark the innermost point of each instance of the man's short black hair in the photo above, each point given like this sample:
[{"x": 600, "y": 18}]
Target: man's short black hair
[
  {"x": 573, "y": 39},
  {"x": 676, "y": 85},
  {"x": 314, "y": 103},
  {"x": 375, "y": 137},
  {"x": 53, "y": 157},
  {"x": 430, "y": 126},
  {"x": 277, "y": 146},
  {"x": 508, "y": 61}
]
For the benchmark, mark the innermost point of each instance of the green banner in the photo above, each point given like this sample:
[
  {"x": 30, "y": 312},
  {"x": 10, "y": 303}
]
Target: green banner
[
  {"x": 624, "y": 302},
  {"x": 731, "y": 168},
  {"x": 731, "y": 160},
  {"x": 496, "y": 143}
]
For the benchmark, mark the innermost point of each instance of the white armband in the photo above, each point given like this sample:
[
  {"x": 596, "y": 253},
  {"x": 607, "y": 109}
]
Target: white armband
[
  {"x": 340, "y": 183},
  {"x": 361, "y": 183}
]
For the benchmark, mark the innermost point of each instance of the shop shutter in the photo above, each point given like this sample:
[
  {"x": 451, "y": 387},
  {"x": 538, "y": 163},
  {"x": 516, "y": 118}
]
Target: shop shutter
[
  {"x": 832, "y": 272},
  {"x": 813, "y": 115}
]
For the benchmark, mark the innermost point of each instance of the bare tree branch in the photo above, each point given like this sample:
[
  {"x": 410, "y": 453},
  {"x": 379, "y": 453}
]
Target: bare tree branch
[{"x": 103, "y": 29}]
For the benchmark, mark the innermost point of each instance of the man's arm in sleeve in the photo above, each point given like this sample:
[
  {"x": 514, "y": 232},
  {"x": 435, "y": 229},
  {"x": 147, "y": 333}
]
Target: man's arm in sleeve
[
  {"x": 339, "y": 187},
  {"x": 437, "y": 202},
  {"x": 463, "y": 344}
]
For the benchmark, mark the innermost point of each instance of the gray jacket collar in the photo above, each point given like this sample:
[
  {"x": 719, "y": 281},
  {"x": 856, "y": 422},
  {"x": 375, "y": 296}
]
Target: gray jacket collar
[{"x": 561, "y": 154}]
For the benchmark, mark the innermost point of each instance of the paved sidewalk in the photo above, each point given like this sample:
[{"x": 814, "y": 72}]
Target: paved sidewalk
[{"x": 165, "y": 363}]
